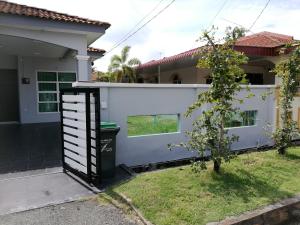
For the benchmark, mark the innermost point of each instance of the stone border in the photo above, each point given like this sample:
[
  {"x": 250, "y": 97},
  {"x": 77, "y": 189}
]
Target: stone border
[
  {"x": 122, "y": 199},
  {"x": 278, "y": 213},
  {"x": 139, "y": 214}
]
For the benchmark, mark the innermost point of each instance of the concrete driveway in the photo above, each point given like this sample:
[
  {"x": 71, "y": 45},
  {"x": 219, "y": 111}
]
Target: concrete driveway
[
  {"x": 34, "y": 189},
  {"x": 74, "y": 213}
]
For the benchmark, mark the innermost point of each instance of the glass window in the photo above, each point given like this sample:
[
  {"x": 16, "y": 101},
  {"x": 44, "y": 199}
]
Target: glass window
[
  {"x": 67, "y": 77},
  {"x": 47, "y": 76},
  {"x": 65, "y": 85},
  {"x": 47, "y": 97},
  {"x": 49, "y": 84},
  {"x": 246, "y": 118},
  {"x": 48, "y": 107},
  {"x": 249, "y": 118},
  {"x": 152, "y": 124}
]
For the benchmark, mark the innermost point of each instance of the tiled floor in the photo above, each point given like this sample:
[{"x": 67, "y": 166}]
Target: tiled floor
[{"x": 29, "y": 146}]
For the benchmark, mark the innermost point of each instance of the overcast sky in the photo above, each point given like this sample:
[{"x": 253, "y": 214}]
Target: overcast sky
[{"x": 177, "y": 28}]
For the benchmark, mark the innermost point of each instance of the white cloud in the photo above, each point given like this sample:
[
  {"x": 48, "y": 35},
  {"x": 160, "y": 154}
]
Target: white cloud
[{"x": 177, "y": 28}]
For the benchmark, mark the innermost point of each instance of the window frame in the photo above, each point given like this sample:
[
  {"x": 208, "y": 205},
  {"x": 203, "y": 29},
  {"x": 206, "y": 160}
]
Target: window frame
[
  {"x": 244, "y": 126},
  {"x": 57, "y": 82},
  {"x": 178, "y": 122}
]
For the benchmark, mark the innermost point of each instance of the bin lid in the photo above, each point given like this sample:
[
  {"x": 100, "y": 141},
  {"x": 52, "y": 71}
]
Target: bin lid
[{"x": 106, "y": 124}]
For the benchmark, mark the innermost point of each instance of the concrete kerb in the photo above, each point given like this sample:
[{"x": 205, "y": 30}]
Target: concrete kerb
[
  {"x": 277, "y": 213},
  {"x": 117, "y": 199}
]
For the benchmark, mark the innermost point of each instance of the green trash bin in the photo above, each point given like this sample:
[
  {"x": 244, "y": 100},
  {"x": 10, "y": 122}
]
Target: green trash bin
[{"x": 109, "y": 131}]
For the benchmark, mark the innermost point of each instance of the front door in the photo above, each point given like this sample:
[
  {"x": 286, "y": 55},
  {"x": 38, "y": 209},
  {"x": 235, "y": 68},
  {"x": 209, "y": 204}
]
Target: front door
[{"x": 9, "y": 105}]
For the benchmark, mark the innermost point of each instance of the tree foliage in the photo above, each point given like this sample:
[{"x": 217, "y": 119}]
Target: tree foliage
[
  {"x": 121, "y": 68},
  {"x": 288, "y": 71},
  {"x": 209, "y": 131}
]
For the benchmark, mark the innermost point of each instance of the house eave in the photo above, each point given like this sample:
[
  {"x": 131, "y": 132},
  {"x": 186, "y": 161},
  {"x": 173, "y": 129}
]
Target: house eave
[
  {"x": 95, "y": 55},
  {"x": 92, "y": 32}
]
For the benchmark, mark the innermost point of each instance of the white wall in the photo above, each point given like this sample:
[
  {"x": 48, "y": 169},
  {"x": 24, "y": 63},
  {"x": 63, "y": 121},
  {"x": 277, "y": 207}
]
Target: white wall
[
  {"x": 8, "y": 62},
  {"x": 28, "y": 67},
  {"x": 296, "y": 110},
  {"x": 194, "y": 75},
  {"x": 122, "y": 100}
]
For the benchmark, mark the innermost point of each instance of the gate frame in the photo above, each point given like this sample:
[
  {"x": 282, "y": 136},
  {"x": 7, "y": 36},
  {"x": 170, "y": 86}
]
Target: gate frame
[{"x": 90, "y": 177}]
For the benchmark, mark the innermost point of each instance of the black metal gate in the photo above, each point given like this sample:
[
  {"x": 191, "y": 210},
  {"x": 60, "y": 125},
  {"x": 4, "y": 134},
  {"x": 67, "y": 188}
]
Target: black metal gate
[{"x": 80, "y": 132}]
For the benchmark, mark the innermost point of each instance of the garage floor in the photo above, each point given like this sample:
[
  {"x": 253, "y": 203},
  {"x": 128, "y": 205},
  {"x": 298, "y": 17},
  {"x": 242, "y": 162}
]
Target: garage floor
[{"x": 29, "y": 147}]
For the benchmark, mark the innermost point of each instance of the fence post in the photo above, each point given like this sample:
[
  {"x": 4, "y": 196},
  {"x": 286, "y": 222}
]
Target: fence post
[
  {"x": 96, "y": 95},
  {"x": 88, "y": 135},
  {"x": 62, "y": 129}
]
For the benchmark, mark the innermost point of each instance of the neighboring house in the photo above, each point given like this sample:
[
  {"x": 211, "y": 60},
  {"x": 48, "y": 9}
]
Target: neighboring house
[
  {"x": 261, "y": 48},
  {"x": 41, "y": 51}
]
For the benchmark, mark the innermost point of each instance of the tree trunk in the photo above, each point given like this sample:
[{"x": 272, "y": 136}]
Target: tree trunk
[
  {"x": 282, "y": 150},
  {"x": 217, "y": 166}
]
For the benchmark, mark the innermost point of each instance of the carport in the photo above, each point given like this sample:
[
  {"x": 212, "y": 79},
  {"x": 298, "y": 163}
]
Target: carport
[
  {"x": 41, "y": 52},
  {"x": 29, "y": 129},
  {"x": 29, "y": 136}
]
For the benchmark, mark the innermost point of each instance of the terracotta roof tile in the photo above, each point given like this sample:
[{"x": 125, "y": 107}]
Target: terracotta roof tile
[
  {"x": 95, "y": 50},
  {"x": 24, "y": 10},
  {"x": 267, "y": 41},
  {"x": 264, "y": 39},
  {"x": 169, "y": 59}
]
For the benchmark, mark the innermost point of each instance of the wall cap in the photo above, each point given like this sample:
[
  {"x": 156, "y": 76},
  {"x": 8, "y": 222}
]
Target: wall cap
[{"x": 144, "y": 85}]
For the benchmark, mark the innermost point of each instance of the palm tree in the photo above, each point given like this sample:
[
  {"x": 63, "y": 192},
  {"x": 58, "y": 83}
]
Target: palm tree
[{"x": 121, "y": 68}]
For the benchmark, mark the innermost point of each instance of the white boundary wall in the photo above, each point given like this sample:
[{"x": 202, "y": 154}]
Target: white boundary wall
[{"x": 118, "y": 101}]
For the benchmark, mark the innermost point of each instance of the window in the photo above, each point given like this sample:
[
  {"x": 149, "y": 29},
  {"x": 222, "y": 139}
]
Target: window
[
  {"x": 152, "y": 124},
  {"x": 176, "y": 79},
  {"x": 255, "y": 78},
  {"x": 48, "y": 86},
  {"x": 208, "y": 80},
  {"x": 246, "y": 118}
]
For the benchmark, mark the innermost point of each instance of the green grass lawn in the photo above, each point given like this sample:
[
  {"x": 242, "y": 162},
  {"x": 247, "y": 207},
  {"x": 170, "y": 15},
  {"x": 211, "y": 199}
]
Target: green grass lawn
[
  {"x": 179, "y": 196},
  {"x": 143, "y": 125}
]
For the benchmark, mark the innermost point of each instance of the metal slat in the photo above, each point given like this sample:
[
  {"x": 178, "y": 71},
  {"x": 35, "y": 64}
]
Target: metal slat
[
  {"x": 74, "y": 123},
  {"x": 80, "y": 126},
  {"x": 75, "y": 132},
  {"x": 74, "y": 115},
  {"x": 73, "y": 98},
  {"x": 79, "y": 158},
  {"x": 74, "y": 148},
  {"x": 76, "y": 165},
  {"x": 78, "y": 141}
]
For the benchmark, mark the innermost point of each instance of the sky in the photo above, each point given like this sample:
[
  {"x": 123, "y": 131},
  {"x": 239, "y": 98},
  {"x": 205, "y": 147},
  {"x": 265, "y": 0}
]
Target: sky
[{"x": 178, "y": 27}]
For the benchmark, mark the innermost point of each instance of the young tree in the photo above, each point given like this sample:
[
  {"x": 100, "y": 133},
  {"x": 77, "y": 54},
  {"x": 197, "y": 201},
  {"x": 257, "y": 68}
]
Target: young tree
[
  {"x": 288, "y": 71},
  {"x": 209, "y": 131},
  {"x": 121, "y": 69}
]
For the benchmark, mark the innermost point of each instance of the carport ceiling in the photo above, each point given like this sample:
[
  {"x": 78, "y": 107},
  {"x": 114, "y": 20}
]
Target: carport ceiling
[{"x": 26, "y": 47}]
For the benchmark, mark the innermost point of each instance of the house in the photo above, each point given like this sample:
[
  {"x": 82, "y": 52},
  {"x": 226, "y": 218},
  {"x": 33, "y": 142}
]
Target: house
[
  {"x": 261, "y": 48},
  {"x": 41, "y": 51}
]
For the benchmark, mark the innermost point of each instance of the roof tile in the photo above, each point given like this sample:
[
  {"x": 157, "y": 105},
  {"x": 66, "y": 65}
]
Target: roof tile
[
  {"x": 24, "y": 10},
  {"x": 95, "y": 50},
  {"x": 265, "y": 40}
]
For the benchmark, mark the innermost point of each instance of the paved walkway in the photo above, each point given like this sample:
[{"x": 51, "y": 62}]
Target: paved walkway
[
  {"x": 33, "y": 189},
  {"x": 74, "y": 213}
]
